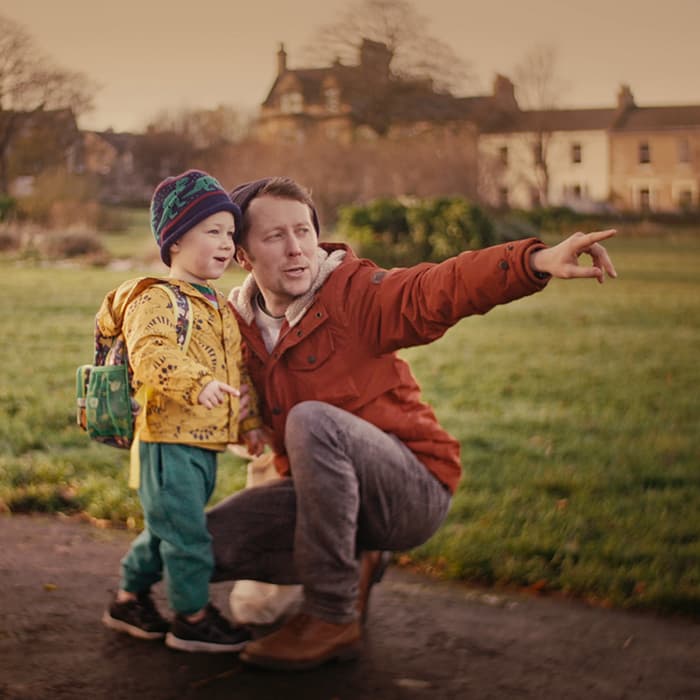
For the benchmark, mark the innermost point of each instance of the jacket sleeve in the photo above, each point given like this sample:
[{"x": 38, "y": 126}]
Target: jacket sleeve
[
  {"x": 412, "y": 306},
  {"x": 254, "y": 419},
  {"x": 155, "y": 357}
]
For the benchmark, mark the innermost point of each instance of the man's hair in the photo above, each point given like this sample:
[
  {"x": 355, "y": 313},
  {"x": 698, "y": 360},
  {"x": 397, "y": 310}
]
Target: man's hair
[{"x": 281, "y": 187}]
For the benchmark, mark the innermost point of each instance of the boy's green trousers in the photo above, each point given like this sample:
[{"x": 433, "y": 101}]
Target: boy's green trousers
[{"x": 177, "y": 482}]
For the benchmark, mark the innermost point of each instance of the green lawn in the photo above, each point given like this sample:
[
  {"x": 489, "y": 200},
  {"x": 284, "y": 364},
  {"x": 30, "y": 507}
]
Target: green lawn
[{"x": 577, "y": 411}]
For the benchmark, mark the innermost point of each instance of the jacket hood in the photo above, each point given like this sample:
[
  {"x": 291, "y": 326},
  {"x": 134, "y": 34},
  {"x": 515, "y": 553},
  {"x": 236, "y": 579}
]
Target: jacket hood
[
  {"x": 110, "y": 316},
  {"x": 329, "y": 257}
]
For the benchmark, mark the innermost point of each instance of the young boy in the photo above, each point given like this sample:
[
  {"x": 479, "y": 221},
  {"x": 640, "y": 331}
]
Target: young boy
[{"x": 191, "y": 412}]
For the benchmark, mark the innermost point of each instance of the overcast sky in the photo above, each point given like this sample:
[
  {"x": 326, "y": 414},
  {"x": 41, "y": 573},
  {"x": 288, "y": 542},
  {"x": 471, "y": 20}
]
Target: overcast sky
[{"x": 152, "y": 54}]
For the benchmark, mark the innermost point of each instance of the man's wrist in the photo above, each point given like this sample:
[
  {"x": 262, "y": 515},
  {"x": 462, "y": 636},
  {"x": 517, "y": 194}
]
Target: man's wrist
[{"x": 536, "y": 271}]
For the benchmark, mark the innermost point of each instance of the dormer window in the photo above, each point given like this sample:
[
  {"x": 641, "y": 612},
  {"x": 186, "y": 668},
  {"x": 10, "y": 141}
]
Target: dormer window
[
  {"x": 291, "y": 102},
  {"x": 332, "y": 97}
]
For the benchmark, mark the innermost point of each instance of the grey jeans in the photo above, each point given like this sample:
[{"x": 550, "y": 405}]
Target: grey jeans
[{"x": 353, "y": 488}]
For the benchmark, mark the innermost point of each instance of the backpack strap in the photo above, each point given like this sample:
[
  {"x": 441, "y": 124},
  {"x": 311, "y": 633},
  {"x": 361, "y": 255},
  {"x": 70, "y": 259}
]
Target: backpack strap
[{"x": 183, "y": 327}]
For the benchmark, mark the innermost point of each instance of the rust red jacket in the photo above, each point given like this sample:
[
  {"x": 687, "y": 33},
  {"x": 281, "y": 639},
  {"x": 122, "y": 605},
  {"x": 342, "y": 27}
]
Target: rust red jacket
[{"x": 342, "y": 350}]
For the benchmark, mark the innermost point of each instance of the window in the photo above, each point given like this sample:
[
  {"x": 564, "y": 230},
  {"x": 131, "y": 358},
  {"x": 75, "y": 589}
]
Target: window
[
  {"x": 575, "y": 152},
  {"x": 644, "y": 153},
  {"x": 503, "y": 197},
  {"x": 684, "y": 151},
  {"x": 535, "y": 199},
  {"x": 503, "y": 155},
  {"x": 685, "y": 200},
  {"x": 291, "y": 102},
  {"x": 576, "y": 191},
  {"x": 537, "y": 153},
  {"x": 332, "y": 96}
]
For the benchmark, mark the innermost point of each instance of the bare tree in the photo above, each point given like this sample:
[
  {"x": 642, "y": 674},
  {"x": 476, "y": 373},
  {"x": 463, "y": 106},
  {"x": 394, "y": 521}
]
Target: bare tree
[
  {"x": 204, "y": 128},
  {"x": 424, "y": 166},
  {"x": 539, "y": 88},
  {"x": 397, "y": 24},
  {"x": 29, "y": 84},
  {"x": 178, "y": 139}
]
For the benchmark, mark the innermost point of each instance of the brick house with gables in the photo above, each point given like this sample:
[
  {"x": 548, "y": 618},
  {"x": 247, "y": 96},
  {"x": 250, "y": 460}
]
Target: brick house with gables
[{"x": 347, "y": 103}]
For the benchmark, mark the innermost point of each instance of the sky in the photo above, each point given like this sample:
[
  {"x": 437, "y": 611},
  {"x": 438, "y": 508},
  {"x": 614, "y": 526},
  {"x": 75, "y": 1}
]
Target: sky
[{"x": 150, "y": 55}]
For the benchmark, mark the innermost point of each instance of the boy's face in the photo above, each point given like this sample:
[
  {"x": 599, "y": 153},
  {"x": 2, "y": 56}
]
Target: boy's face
[
  {"x": 280, "y": 250},
  {"x": 205, "y": 251}
]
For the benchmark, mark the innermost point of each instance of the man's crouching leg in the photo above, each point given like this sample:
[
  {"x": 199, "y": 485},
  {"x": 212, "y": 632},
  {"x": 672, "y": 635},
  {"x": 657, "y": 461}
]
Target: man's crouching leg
[{"x": 357, "y": 489}]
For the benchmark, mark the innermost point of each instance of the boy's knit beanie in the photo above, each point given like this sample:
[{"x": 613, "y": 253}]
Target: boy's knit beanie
[{"x": 181, "y": 202}]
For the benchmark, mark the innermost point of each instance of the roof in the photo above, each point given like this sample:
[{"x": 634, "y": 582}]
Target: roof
[
  {"x": 392, "y": 99},
  {"x": 549, "y": 120},
  {"x": 380, "y": 99},
  {"x": 120, "y": 141},
  {"x": 651, "y": 118}
]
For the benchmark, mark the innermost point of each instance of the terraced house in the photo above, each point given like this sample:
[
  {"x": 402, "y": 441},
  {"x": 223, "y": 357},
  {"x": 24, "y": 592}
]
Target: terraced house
[{"x": 623, "y": 157}]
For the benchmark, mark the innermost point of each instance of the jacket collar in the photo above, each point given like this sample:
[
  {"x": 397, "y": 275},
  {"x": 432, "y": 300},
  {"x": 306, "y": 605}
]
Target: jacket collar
[{"x": 243, "y": 298}]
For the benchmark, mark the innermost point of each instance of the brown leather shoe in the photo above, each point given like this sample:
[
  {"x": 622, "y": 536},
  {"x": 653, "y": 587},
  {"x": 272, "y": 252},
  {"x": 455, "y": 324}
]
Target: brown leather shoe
[
  {"x": 372, "y": 567},
  {"x": 304, "y": 642}
]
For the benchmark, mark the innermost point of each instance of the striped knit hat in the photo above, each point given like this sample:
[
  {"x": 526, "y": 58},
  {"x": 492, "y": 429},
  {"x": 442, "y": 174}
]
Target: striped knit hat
[{"x": 181, "y": 202}]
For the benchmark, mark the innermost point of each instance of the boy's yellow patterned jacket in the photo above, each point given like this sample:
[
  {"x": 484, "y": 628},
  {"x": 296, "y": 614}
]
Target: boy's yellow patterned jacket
[{"x": 173, "y": 379}]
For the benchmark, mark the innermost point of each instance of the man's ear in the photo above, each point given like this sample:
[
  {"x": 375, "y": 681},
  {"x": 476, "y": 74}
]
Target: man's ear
[{"x": 241, "y": 257}]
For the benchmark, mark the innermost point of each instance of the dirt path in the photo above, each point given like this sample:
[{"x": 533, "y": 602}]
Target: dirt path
[{"x": 424, "y": 640}]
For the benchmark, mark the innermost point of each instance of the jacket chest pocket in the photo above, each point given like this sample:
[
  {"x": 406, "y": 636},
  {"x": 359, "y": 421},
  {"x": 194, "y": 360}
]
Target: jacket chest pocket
[{"x": 319, "y": 370}]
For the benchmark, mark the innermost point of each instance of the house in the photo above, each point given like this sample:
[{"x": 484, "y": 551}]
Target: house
[
  {"x": 654, "y": 156},
  {"x": 110, "y": 158},
  {"x": 347, "y": 103},
  {"x": 590, "y": 159},
  {"x": 546, "y": 158}
]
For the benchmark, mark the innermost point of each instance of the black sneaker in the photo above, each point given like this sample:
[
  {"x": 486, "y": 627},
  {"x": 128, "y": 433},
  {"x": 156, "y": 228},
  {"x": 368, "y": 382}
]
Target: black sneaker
[
  {"x": 139, "y": 618},
  {"x": 213, "y": 633}
]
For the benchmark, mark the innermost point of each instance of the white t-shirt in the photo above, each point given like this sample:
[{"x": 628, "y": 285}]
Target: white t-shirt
[{"x": 269, "y": 326}]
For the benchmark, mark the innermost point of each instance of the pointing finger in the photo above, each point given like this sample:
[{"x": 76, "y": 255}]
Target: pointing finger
[{"x": 596, "y": 236}]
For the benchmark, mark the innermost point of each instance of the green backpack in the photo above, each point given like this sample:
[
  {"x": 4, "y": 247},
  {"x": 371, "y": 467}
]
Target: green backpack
[{"x": 106, "y": 407}]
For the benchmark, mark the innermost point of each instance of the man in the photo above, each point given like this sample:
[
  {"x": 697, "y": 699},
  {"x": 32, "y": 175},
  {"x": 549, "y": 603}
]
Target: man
[{"x": 371, "y": 468}]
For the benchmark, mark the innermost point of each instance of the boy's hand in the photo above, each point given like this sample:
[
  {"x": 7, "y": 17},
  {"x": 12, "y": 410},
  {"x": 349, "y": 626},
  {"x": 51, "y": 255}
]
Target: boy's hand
[
  {"x": 255, "y": 441},
  {"x": 215, "y": 392}
]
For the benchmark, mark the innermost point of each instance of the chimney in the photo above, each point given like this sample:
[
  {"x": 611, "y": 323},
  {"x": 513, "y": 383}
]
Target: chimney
[
  {"x": 375, "y": 58},
  {"x": 625, "y": 99},
  {"x": 504, "y": 93},
  {"x": 281, "y": 60}
]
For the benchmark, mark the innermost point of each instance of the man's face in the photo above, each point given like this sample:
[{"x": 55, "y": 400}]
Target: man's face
[{"x": 280, "y": 250}]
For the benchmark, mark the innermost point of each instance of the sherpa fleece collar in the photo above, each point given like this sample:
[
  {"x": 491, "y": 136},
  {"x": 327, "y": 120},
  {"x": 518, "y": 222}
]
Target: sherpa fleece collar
[{"x": 243, "y": 297}]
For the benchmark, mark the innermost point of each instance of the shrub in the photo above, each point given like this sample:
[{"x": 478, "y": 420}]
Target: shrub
[
  {"x": 72, "y": 245},
  {"x": 112, "y": 219},
  {"x": 394, "y": 233},
  {"x": 552, "y": 219},
  {"x": 8, "y": 205},
  {"x": 60, "y": 199},
  {"x": 513, "y": 227},
  {"x": 9, "y": 241}
]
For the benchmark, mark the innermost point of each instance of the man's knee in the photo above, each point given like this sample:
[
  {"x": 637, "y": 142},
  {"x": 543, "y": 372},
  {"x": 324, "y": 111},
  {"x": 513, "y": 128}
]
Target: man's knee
[
  {"x": 309, "y": 422},
  {"x": 305, "y": 414}
]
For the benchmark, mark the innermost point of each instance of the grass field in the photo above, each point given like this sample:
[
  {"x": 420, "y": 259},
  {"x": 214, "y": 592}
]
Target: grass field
[{"x": 577, "y": 410}]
